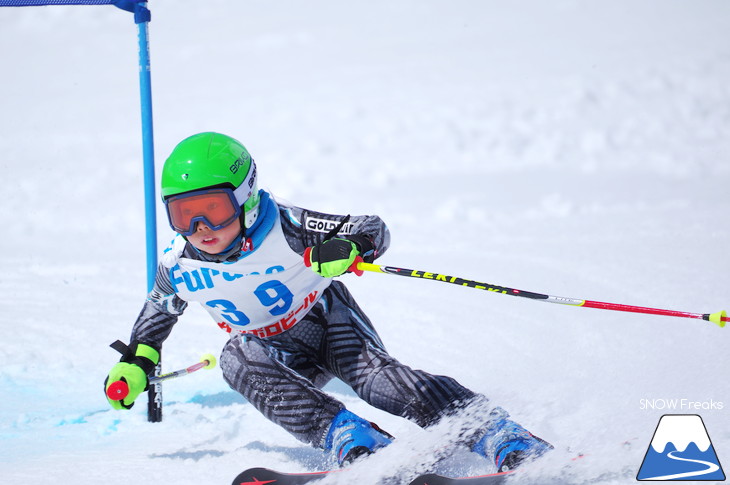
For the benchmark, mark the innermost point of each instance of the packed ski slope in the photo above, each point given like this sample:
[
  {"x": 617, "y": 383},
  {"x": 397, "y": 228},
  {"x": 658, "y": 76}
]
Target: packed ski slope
[{"x": 574, "y": 148}]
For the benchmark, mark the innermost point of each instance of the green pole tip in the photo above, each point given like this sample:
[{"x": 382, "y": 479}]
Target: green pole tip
[
  {"x": 719, "y": 318},
  {"x": 211, "y": 361}
]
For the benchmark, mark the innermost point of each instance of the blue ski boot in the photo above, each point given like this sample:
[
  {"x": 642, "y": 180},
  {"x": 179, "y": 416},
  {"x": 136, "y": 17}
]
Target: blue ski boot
[
  {"x": 509, "y": 445},
  {"x": 351, "y": 437}
]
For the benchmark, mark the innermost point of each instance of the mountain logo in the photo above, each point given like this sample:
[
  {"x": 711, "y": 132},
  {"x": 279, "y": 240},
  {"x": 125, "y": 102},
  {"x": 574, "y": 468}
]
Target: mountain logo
[{"x": 680, "y": 450}]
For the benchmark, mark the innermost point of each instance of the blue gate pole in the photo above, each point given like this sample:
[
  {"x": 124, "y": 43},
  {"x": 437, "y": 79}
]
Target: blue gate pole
[{"x": 142, "y": 18}]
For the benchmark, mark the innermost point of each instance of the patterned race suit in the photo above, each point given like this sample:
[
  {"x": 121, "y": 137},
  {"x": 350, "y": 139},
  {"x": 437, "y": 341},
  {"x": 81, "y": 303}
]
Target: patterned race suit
[{"x": 292, "y": 330}]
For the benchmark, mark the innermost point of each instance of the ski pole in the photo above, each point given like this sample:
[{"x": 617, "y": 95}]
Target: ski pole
[
  {"x": 718, "y": 318},
  {"x": 118, "y": 390}
]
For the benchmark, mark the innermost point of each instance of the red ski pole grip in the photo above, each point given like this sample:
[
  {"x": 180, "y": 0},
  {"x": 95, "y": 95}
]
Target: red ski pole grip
[
  {"x": 353, "y": 267},
  {"x": 117, "y": 390}
]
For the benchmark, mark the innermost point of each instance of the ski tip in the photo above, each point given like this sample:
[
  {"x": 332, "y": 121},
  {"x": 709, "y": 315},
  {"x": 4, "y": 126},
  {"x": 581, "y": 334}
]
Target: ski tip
[
  {"x": 260, "y": 476},
  {"x": 253, "y": 475}
]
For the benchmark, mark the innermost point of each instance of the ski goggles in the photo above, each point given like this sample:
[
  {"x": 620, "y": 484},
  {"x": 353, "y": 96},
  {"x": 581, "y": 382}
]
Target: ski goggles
[{"x": 216, "y": 208}]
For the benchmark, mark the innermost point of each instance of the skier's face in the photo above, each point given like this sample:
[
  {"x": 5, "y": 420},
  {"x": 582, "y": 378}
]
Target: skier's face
[{"x": 213, "y": 242}]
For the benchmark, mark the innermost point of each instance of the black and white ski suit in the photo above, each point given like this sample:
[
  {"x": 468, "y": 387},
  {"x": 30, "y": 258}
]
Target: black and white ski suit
[{"x": 302, "y": 329}]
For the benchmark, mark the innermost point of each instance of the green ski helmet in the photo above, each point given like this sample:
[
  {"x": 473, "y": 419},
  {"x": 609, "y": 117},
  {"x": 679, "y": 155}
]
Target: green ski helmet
[{"x": 209, "y": 160}]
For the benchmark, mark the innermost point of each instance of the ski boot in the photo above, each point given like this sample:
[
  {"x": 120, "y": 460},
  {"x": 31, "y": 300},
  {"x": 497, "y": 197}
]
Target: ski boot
[
  {"x": 351, "y": 437},
  {"x": 509, "y": 445}
]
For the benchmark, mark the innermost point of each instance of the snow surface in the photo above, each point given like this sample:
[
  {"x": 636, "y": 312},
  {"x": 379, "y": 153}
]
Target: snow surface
[{"x": 574, "y": 148}]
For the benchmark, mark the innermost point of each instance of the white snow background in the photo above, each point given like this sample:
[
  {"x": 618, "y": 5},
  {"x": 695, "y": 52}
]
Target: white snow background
[{"x": 579, "y": 149}]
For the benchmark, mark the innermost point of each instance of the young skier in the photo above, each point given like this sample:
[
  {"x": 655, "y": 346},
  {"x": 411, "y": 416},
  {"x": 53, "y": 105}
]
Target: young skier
[{"x": 264, "y": 271}]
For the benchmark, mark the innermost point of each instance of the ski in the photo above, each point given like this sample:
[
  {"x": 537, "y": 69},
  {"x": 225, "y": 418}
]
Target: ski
[
  {"x": 266, "y": 476},
  {"x": 263, "y": 476},
  {"x": 435, "y": 479}
]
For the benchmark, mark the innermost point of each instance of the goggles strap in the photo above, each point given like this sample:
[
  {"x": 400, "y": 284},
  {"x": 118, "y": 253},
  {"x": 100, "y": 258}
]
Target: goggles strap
[{"x": 244, "y": 191}]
